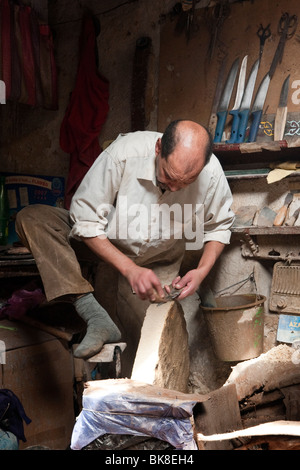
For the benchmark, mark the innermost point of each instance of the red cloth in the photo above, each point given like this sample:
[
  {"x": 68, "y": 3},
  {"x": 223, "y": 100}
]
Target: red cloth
[
  {"x": 6, "y": 31},
  {"x": 86, "y": 112}
]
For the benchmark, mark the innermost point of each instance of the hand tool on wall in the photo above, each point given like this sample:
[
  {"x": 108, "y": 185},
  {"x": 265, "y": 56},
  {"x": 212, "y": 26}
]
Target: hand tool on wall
[
  {"x": 281, "y": 113},
  {"x": 215, "y": 20},
  {"x": 224, "y": 102},
  {"x": 286, "y": 29},
  {"x": 263, "y": 34},
  {"x": 238, "y": 98},
  {"x": 280, "y": 217},
  {"x": 257, "y": 108},
  {"x": 218, "y": 92},
  {"x": 244, "y": 110}
]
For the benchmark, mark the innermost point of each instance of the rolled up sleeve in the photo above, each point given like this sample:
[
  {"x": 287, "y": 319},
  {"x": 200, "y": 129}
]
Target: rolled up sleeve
[
  {"x": 218, "y": 217},
  {"x": 93, "y": 201}
]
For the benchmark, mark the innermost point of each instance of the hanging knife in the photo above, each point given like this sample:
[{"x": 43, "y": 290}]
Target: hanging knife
[
  {"x": 281, "y": 113},
  {"x": 238, "y": 98},
  {"x": 258, "y": 105},
  {"x": 246, "y": 102},
  {"x": 213, "y": 116},
  {"x": 224, "y": 102}
]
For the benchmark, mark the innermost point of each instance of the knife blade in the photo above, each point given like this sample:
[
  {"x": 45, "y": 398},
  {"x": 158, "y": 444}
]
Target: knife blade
[
  {"x": 224, "y": 102},
  {"x": 258, "y": 105},
  {"x": 246, "y": 102},
  {"x": 218, "y": 91},
  {"x": 281, "y": 113},
  {"x": 238, "y": 98}
]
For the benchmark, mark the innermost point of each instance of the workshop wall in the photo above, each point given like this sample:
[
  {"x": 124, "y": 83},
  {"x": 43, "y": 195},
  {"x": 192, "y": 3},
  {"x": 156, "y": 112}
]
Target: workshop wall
[
  {"x": 192, "y": 63},
  {"x": 30, "y": 136}
]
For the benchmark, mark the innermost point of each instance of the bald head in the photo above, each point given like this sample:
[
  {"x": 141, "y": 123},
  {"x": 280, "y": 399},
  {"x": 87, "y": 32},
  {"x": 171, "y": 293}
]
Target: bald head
[
  {"x": 182, "y": 153},
  {"x": 190, "y": 135}
]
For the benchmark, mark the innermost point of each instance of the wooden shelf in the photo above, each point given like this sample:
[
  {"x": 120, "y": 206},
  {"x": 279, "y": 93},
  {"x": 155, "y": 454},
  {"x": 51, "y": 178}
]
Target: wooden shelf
[
  {"x": 253, "y": 230},
  {"x": 255, "y": 156}
]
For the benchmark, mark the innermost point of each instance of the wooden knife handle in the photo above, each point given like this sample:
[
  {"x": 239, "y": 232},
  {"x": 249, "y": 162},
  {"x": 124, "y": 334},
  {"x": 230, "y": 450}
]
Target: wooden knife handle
[
  {"x": 280, "y": 122},
  {"x": 279, "y": 219}
]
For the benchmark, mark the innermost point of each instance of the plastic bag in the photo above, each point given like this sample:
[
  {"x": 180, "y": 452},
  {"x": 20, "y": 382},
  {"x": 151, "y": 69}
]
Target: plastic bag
[{"x": 123, "y": 406}]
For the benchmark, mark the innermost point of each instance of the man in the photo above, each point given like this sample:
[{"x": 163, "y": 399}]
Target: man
[{"x": 114, "y": 213}]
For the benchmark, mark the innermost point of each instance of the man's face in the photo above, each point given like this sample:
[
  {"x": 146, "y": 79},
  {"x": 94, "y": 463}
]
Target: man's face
[{"x": 171, "y": 173}]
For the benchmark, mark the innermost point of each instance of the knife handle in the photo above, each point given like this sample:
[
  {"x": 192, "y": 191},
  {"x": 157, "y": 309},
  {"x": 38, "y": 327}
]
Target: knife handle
[
  {"x": 243, "y": 125},
  {"x": 255, "y": 125},
  {"x": 234, "y": 126},
  {"x": 280, "y": 217},
  {"x": 222, "y": 115},
  {"x": 280, "y": 121}
]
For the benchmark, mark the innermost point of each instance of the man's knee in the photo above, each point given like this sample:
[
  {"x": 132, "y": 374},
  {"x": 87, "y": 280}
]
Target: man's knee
[{"x": 28, "y": 214}]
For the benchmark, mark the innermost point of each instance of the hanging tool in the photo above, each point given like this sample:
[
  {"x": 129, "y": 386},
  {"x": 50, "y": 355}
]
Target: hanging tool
[
  {"x": 218, "y": 91},
  {"x": 281, "y": 215},
  {"x": 244, "y": 110},
  {"x": 219, "y": 14},
  {"x": 263, "y": 34},
  {"x": 281, "y": 113},
  {"x": 224, "y": 102},
  {"x": 286, "y": 29},
  {"x": 239, "y": 95},
  {"x": 257, "y": 108}
]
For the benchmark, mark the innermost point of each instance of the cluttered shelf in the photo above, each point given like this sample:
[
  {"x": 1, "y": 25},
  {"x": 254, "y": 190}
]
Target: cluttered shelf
[
  {"x": 255, "y": 155},
  {"x": 255, "y": 230}
]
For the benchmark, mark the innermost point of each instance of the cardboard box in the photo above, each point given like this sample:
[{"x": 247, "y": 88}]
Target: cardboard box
[
  {"x": 23, "y": 190},
  {"x": 38, "y": 369}
]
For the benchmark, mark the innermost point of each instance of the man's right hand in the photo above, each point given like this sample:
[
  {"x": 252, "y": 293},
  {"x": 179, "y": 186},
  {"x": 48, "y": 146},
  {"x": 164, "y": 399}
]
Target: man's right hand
[
  {"x": 143, "y": 281},
  {"x": 145, "y": 284}
]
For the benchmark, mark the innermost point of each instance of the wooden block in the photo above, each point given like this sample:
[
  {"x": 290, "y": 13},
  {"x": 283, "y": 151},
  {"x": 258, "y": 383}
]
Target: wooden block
[
  {"x": 162, "y": 357},
  {"x": 218, "y": 414}
]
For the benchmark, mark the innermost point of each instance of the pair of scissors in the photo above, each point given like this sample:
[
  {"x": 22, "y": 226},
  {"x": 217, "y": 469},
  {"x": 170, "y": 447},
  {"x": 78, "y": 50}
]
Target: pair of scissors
[{"x": 263, "y": 34}]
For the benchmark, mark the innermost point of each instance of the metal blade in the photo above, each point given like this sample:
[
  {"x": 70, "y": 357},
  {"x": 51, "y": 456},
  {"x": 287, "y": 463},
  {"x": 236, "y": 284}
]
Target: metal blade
[
  {"x": 261, "y": 94},
  {"x": 247, "y": 97},
  {"x": 213, "y": 116},
  {"x": 226, "y": 95},
  {"x": 284, "y": 92},
  {"x": 241, "y": 84},
  {"x": 258, "y": 105}
]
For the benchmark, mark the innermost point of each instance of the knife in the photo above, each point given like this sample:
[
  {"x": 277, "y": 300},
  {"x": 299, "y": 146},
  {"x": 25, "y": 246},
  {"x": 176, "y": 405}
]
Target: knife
[
  {"x": 224, "y": 102},
  {"x": 218, "y": 92},
  {"x": 279, "y": 219},
  {"x": 246, "y": 102},
  {"x": 281, "y": 113},
  {"x": 238, "y": 98},
  {"x": 258, "y": 105}
]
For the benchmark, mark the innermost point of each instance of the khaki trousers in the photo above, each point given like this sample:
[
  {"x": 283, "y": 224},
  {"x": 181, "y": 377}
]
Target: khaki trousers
[{"x": 44, "y": 230}]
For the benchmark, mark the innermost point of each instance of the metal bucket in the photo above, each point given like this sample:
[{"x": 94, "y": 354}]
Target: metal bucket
[{"x": 236, "y": 326}]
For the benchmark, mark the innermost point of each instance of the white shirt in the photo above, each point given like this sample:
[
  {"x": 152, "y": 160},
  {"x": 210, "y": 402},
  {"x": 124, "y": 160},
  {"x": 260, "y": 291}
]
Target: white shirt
[{"x": 119, "y": 198}]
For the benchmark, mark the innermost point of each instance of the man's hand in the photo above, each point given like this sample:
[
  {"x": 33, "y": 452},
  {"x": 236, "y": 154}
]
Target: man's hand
[
  {"x": 189, "y": 283},
  {"x": 145, "y": 284},
  {"x": 143, "y": 281}
]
